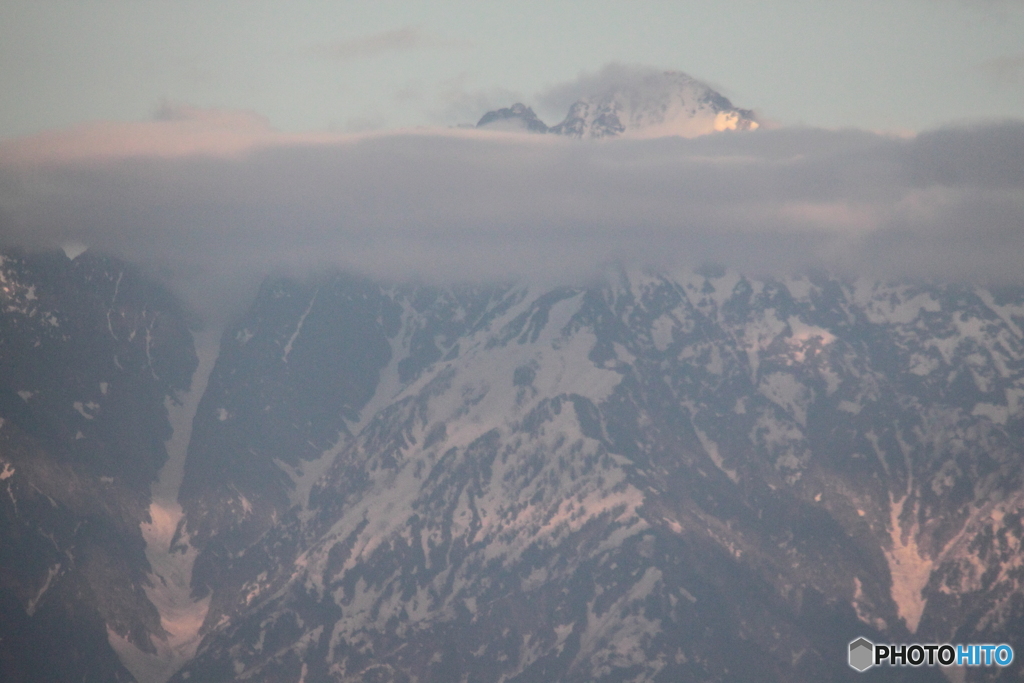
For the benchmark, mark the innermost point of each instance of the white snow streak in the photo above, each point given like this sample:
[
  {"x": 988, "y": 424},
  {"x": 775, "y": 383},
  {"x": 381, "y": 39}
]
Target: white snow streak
[
  {"x": 298, "y": 328},
  {"x": 34, "y": 602},
  {"x": 170, "y": 592}
]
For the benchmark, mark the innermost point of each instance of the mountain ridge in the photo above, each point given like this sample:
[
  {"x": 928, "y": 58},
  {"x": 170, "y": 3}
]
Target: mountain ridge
[
  {"x": 522, "y": 460},
  {"x": 682, "y": 475},
  {"x": 650, "y": 105}
]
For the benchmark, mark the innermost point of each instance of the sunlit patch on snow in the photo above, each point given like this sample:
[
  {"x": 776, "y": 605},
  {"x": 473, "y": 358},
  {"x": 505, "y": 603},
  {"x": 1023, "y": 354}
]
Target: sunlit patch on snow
[{"x": 909, "y": 569}]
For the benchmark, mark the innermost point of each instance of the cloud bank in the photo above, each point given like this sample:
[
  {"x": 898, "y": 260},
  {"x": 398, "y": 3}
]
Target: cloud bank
[{"x": 447, "y": 205}]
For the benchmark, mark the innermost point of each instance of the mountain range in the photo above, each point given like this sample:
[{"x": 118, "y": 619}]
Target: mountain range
[
  {"x": 658, "y": 476},
  {"x": 653, "y": 475}
]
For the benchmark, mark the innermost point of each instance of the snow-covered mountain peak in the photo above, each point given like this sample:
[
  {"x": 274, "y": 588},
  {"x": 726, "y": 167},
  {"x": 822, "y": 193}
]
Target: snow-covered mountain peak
[
  {"x": 635, "y": 103},
  {"x": 654, "y": 105}
]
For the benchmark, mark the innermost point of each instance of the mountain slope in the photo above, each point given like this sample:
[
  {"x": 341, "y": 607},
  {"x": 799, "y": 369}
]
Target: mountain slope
[
  {"x": 660, "y": 477},
  {"x": 90, "y": 356}
]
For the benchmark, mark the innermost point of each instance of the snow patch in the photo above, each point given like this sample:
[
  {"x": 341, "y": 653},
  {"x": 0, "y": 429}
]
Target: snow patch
[
  {"x": 882, "y": 304},
  {"x": 77, "y": 405},
  {"x": 34, "y": 602},
  {"x": 661, "y": 331},
  {"x": 1005, "y": 313},
  {"x": 800, "y": 288},
  {"x": 711, "y": 448},
  {"x": 849, "y": 407},
  {"x": 804, "y": 335},
  {"x": 614, "y": 638},
  {"x": 998, "y": 414},
  {"x": 783, "y": 389},
  {"x": 909, "y": 569},
  {"x": 862, "y": 607},
  {"x": 306, "y": 475},
  {"x": 298, "y": 328},
  {"x": 170, "y": 590},
  {"x": 757, "y": 335},
  {"x": 73, "y": 250}
]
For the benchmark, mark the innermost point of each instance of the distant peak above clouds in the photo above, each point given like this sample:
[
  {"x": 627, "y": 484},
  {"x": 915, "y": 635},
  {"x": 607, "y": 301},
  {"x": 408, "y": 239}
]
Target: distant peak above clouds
[
  {"x": 648, "y": 104},
  {"x": 518, "y": 117},
  {"x": 655, "y": 105}
]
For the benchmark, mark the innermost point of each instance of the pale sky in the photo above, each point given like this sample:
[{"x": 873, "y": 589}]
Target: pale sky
[{"x": 886, "y": 65}]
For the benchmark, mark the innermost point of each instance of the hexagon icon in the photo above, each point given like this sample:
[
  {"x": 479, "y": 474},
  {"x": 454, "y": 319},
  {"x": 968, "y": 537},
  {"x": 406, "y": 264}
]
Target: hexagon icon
[{"x": 862, "y": 653}]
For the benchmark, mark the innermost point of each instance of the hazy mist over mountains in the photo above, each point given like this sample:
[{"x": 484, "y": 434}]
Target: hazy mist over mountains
[
  {"x": 658, "y": 392},
  {"x": 210, "y": 203}
]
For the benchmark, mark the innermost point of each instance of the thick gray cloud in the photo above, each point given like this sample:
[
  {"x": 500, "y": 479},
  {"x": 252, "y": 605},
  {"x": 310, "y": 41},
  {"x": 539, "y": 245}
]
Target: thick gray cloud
[{"x": 458, "y": 205}]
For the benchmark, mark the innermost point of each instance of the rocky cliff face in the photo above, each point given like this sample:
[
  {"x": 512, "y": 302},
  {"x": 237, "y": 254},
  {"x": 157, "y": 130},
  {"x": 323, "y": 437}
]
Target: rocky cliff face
[
  {"x": 518, "y": 118},
  {"x": 685, "y": 477},
  {"x": 90, "y": 353},
  {"x": 661, "y": 476}
]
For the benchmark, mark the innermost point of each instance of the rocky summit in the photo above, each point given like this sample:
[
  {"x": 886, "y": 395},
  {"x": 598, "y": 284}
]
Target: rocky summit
[
  {"x": 649, "y": 105},
  {"x": 660, "y": 476},
  {"x": 518, "y": 117}
]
